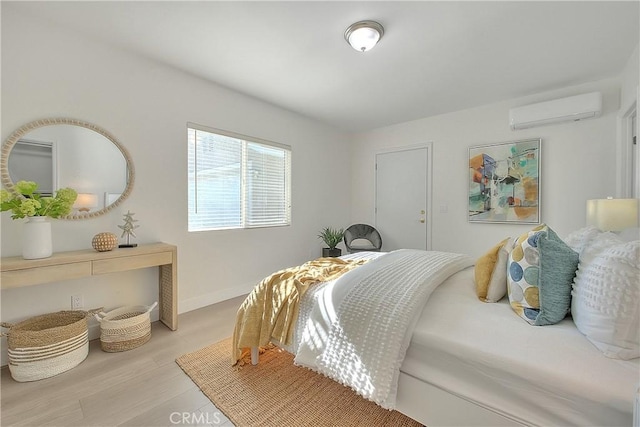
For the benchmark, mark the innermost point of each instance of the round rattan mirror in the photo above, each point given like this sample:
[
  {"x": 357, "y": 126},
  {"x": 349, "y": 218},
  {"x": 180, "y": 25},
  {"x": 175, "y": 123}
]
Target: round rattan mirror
[{"x": 64, "y": 152}]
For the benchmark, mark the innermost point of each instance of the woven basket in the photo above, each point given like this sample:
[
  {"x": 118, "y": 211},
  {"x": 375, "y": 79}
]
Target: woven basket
[
  {"x": 47, "y": 345},
  {"x": 125, "y": 328}
]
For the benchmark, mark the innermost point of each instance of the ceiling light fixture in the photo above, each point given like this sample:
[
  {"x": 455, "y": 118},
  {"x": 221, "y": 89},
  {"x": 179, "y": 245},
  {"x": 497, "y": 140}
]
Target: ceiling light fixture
[{"x": 364, "y": 35}]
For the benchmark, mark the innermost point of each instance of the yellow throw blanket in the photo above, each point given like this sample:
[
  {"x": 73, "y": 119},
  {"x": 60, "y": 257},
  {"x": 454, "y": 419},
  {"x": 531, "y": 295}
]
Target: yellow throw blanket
[{"x": 271, "y": 308}]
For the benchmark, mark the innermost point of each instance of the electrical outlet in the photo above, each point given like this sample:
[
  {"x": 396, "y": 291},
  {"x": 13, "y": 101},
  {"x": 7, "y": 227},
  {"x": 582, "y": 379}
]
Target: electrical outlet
[{"x": 77, "y": 302}]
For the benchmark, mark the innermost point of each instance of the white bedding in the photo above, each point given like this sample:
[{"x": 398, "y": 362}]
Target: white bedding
[
  {"x": 485, "y": 354},
  {"x": 368, "y": 315},
  {"x": 536, "y": 375}
]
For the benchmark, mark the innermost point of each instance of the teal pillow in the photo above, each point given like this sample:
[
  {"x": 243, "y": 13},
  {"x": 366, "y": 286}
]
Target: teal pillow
[
  {"x": 540, "y": 276},
  {"x": 558, "y": 265}
]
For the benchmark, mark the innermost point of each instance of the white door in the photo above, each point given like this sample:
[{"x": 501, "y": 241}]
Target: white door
[{"x": 401, "y": 198}]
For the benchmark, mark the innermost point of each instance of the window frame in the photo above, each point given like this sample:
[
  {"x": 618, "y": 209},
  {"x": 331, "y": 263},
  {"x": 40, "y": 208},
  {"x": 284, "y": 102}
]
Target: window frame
[{"x": 245, "y": 140}]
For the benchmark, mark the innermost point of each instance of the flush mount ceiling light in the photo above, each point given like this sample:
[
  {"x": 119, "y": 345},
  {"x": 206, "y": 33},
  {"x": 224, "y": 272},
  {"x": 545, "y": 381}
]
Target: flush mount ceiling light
[{"x": 363, "y": 35}]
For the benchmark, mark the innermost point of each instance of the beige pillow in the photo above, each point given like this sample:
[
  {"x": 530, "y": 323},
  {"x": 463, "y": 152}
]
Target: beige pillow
[
  {"x": 361, "y": 244},
  {"x": 491, "y": 272}
]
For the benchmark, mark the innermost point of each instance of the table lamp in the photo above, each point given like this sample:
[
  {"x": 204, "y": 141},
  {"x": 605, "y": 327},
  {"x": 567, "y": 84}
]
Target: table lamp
[
  {"x": 85, "y": 202},
  {"x": 612, "y": 214}
]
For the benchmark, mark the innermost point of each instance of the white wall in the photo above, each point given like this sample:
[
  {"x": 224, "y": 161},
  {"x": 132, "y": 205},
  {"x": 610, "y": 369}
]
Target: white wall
[
  {"x": 49, "y": 72},
  {"x": 578, "y": 163},
  {"x": 629, "y": 79},
  {"x": 630, "y": 91}
]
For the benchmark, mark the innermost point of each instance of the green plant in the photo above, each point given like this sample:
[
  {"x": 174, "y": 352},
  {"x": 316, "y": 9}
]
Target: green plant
[
  {"x": 331, "y": 237},
  {"x": 25, "y": 201}
]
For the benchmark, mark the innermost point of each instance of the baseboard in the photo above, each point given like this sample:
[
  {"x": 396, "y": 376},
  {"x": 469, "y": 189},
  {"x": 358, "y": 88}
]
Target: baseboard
[
  {"x": 184, "y": 306},
  {"x": 191, "y": 304},
  {"x": 188, "y": 305}
]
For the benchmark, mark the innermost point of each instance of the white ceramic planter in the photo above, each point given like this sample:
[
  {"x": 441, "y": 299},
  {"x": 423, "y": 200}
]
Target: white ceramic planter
[{"x": 36, "y": 238}]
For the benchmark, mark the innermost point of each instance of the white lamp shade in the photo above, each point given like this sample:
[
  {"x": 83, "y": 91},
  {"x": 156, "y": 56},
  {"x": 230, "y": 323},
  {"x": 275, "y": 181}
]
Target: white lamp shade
[
  {"x": 86, "y": 201},
  {"x": 612, "y": 214}
]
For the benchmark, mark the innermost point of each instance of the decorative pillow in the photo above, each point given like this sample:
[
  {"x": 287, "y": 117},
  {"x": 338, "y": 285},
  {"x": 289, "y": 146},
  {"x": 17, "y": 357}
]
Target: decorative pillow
[
  {"x": 630, "y": 234},
  {"x": 597, "y": 245},
  {"x": 522, "y": 275},
  {"x": 606, "y": 300},
  {"x": 498, "y": 284},
  {"x": 491, "y": 272},
  {"x": 558, "y": 265},
  {"x": 540, "y": 273},
  {"x": 581, "y": 238}
]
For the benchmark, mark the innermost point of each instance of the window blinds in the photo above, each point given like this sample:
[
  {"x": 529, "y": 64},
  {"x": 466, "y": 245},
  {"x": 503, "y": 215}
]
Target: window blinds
[{"x": 235, "y": 182}]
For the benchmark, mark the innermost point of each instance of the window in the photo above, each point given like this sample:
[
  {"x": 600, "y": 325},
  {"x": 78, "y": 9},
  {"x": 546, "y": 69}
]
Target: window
[{"x": 236, "y": 181}]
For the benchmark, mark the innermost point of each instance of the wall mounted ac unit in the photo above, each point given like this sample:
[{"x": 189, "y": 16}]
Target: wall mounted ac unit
[{"x": 572, "y": 108}]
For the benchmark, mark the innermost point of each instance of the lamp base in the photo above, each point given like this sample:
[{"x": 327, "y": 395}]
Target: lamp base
[{"x": 128, "y": 245}]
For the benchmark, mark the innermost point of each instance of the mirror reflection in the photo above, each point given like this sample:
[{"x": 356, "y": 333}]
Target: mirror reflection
[{"x": 72, "y": 154}]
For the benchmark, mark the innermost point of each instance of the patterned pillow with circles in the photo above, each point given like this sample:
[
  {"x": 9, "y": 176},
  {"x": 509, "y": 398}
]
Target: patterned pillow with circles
[
  {"x": 540, "y": 273},
  {"x": 523, "y": 274}
]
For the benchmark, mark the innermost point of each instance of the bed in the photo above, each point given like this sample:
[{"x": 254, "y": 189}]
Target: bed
[
  {"x": 470, "y": 363},
  {"x": 484, "y": 355}
]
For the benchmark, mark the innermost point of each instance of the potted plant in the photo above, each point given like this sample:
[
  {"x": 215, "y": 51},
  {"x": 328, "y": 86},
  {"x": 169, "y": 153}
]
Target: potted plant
[
  {"x": 331, "y": 237},
  {"x": 26, "y": 202}
]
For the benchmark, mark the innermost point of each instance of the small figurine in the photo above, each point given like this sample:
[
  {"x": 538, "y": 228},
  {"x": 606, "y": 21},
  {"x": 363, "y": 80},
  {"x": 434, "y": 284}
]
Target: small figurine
[{"x": 128, "y": 228}]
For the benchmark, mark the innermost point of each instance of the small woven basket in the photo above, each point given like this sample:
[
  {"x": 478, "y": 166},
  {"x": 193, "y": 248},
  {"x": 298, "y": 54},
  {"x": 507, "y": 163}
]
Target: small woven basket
[
  {"x": 125, "y": 328},
  {"x": 47, "y": 345}
]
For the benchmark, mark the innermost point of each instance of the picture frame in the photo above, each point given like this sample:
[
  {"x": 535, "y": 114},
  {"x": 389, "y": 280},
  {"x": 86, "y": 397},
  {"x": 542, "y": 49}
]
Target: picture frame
[{"x": 504, "y": 182}]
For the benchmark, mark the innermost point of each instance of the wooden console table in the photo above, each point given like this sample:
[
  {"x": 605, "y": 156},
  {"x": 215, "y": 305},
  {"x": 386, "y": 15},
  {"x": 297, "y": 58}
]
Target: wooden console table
[{"x": 16, "y": 272}]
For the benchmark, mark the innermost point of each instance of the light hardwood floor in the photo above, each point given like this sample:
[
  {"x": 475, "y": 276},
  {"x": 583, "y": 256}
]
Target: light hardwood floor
[{"x": 140, "y": 387}]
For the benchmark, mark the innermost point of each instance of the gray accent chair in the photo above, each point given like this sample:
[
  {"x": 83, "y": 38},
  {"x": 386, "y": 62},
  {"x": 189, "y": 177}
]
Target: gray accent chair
[{"x": 361, "y": 238}]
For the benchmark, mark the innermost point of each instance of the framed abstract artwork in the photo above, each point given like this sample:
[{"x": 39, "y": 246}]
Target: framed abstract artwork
[{"x": 504, "y": 182}]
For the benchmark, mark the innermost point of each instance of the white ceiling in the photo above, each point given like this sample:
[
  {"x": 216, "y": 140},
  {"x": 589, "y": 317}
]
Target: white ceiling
[{"x": 435, "y": 57}]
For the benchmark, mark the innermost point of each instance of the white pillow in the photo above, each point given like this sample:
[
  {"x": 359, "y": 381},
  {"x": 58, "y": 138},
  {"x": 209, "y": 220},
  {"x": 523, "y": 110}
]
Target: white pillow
[
  {"x": 630, "y": 234},
  {"x": 596, "y": 245},
  {"x": 606, "y": 297},
  {"x": 578, "y": 239}
]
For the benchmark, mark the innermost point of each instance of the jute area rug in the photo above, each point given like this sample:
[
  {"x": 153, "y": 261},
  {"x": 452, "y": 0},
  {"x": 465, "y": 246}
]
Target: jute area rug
[{"x": 277, "y": 393}]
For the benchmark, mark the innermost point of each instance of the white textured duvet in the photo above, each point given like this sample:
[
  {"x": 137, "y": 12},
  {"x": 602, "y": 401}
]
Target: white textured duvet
[
  {"x": 485, "y": 354},
  {"x": 356, "y": 329},
  {"x": 535, "y": 375}
]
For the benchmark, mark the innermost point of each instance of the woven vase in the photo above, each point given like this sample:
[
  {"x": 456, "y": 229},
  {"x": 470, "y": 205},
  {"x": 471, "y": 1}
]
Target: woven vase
[
  {"x": 36, "y": 238},
  {"x": 103, "y": 242}
]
